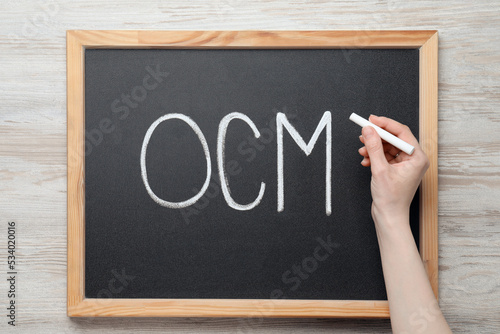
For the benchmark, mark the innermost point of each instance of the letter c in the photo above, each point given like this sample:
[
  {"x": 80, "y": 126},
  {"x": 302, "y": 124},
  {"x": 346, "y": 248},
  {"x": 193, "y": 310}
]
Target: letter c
[{"x": 221, "y": 139}]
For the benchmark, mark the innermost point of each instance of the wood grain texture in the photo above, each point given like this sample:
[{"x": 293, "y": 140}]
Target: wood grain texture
[
  {"x": 79, "y": 40},
  {"x": 261, "y": 308},
  {"x": 33, "y": 146},
  {"x": 76, "y": 175},
  {"x": 428, "y": 140},
  {"x": 253, "y": 38}
]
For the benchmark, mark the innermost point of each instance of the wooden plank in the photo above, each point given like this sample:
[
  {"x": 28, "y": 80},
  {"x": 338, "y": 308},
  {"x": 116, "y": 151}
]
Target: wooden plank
[
  {"x": 230, "y": 308},
  {"x": 429, "y": 142},
  {"x": 33, "y": 147},
  {"x": 245, "y": 39},
  {"x": 76, "y": 183}
]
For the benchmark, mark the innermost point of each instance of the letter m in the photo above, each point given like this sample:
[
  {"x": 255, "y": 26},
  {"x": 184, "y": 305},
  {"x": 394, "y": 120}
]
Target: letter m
[{"x": 325, "y": 122}]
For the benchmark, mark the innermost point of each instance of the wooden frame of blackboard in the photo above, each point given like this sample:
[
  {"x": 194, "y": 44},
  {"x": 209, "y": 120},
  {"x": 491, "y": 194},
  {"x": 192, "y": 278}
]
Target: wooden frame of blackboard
[{"x": 79, "y": 40}]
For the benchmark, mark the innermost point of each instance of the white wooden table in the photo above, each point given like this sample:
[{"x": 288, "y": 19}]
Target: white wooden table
[{"x": 33, "y": 147}]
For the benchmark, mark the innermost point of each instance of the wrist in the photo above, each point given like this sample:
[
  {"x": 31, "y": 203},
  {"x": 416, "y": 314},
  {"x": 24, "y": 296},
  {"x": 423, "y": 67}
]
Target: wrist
[
  {"x": 394, "y": 232},
  {"x": 391, "y": 220}
]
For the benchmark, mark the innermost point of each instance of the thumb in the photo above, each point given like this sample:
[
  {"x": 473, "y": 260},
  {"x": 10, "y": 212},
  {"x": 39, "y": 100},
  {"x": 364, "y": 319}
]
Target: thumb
[{"x": 373, "y": 145}]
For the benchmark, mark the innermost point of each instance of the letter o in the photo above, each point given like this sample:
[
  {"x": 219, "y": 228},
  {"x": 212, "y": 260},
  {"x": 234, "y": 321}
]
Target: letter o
[{"x": 147, "y": 137}]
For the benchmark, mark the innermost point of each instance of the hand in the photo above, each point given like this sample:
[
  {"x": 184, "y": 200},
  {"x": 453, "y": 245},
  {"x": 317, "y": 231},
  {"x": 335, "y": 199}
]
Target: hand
[
  {"x": 395, "y": 174},
  {"x": 395, "y": 179}
]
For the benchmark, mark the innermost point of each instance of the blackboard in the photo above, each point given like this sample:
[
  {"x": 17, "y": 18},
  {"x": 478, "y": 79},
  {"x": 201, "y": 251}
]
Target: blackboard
[{"x": 158, "y": 226}]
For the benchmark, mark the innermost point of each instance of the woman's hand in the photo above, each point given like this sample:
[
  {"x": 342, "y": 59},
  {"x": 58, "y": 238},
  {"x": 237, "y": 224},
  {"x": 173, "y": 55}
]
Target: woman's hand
[
  {"x": 395, "y": 179},
  {"x": 395, "y": 174}
]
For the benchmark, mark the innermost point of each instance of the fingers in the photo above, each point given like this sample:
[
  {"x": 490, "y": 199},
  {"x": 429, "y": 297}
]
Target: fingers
[
  {"x": 377, "y": 153},
  {"x": 390, "y": 159},
  {"x": 387, "y": 148},
  {"x": 375, "y": 149},
  {"x": 390, "y": 150},
  {"x": 396, "y": 128}
]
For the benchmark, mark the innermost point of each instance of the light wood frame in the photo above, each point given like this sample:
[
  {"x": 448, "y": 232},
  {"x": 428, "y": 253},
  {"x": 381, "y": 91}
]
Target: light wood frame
[{"x": 79, "y": 40}]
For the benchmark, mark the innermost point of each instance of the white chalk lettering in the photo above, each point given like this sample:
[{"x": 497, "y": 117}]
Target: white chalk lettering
[
  {"x": 221, "y": 140},
  {"x": 147, "y": 137},
  {"x": 281, "y": 122},
  {"x": 325, "y": 122}
]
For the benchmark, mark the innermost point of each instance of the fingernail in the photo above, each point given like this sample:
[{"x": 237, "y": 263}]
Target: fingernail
[
  {"x": 372, "y": 115},
  {"x": 367, "y": 132}
]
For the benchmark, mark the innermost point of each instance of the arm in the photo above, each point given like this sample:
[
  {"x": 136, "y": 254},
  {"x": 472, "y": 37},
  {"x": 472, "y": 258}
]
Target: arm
[{"x": 395, "y": 179}]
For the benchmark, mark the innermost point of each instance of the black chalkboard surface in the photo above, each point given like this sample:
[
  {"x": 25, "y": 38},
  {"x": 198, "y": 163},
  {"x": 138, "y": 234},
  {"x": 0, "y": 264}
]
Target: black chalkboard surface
[{"x": 137, "y": 248}]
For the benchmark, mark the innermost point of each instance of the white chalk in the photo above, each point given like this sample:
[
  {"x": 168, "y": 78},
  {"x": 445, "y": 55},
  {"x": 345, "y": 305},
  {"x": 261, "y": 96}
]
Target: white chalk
[
  {"x": 324, "y": 123},
  {"x": 144, "y": 171},
  {"x": 388, "y": 137}
]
